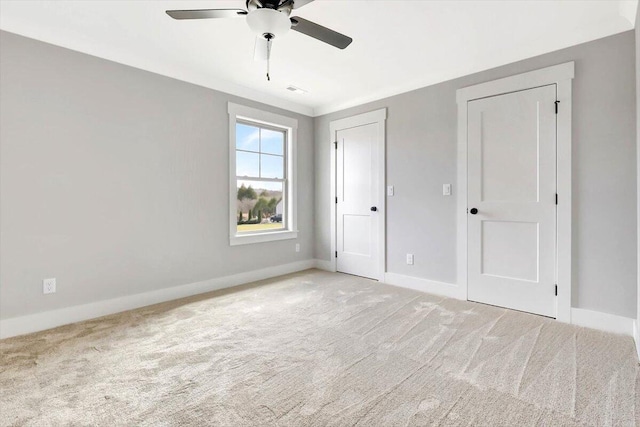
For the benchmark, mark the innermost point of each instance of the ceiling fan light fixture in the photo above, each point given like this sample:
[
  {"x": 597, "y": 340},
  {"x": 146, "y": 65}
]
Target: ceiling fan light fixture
[{"x": 268, "y": 21}]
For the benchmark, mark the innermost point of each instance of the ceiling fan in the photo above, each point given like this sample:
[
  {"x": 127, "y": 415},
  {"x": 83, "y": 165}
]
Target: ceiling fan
[{"x": 270, "y": 19}]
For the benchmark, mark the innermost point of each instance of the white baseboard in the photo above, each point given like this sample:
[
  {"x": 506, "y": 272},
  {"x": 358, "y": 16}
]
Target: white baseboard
[
  {"x": 580, "y": 317},
  {"x": 51, "y": 319},
  {"x": 603, "y": 321},
  {"x": 324, "y": 265},
  {"x": 429, "y": 286}
]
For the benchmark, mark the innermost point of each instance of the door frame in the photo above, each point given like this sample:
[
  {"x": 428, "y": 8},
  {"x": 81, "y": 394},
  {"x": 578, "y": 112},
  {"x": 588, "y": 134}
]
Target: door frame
[
  {"x": 561, "y": 75},
  {"x": 379, "y": 117}
]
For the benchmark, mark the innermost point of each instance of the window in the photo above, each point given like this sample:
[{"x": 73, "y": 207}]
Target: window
[{"x": 262, "y": 176}]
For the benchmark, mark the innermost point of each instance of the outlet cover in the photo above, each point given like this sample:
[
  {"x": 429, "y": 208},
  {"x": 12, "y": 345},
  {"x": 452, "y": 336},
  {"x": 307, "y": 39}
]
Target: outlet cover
[
  {"x": 49, "y": 286},
  {"x": 297, "y": 247},
  {"x": 409, "y": 259}
]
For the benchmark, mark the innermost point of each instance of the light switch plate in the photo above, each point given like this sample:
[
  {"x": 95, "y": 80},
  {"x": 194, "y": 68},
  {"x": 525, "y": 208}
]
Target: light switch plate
[
  {"x": 446, "y": 189},
  {"x": 390, "y": 190}
]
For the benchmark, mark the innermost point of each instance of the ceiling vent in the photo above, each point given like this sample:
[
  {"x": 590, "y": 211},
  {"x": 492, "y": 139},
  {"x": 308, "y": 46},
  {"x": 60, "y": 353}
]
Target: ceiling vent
[{"x": 296, "y": 89}]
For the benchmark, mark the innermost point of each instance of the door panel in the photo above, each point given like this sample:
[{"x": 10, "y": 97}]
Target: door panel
[
  {"x": 356, "y": 151},
  {"x": 510, "y": 250},
  {"x": 357, "y": 160},
  {"x": 512, "y": 184},
  {"x": 509, "y": 154},
  {"x": 356, "y": 234}
]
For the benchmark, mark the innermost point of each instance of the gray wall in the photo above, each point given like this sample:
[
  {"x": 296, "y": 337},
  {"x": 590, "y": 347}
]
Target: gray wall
[
  {"x": 421, "y": 156},
  {"x": 114, "y": 181}
]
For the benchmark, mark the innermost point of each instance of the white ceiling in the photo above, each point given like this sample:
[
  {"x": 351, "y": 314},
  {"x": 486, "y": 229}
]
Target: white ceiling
[{"x": 398, "y": 45}]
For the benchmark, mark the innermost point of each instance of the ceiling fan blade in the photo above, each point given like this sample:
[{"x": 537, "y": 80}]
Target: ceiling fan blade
[
  {"x": 297, "y": 4},
  {"x": 260, "y": 50},
  {"x": 206, "y": 13},
  {"x": 321, "y": 33}
]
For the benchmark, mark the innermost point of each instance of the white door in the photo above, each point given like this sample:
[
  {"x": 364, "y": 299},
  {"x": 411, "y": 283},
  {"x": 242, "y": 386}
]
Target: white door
[
  {"x": 512, "y": 185},
  {"x": 358, "y": 212}
]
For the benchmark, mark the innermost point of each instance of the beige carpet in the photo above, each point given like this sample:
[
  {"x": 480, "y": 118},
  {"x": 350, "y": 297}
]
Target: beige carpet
[{"x": 318, "y": 348}]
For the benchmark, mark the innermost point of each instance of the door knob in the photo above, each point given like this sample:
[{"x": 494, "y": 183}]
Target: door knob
[
  {"x": 374, "y": 209},
  {"x": 473, "y": 211}
]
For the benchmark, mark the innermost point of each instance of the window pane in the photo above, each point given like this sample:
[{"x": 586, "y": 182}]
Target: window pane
[
  {"x": 259, "y": 206},
  {"x": 272, "y": 141},
  {"x": 247, "y": 137},
  {"x": 272, "y": 166},
  {"x": 247, "y": 164}
]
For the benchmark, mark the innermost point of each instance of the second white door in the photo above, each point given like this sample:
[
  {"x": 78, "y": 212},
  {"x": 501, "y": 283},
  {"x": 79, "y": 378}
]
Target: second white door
[
  {"x": 358, "y": 210},
  {"x": 512, "y": 200}
]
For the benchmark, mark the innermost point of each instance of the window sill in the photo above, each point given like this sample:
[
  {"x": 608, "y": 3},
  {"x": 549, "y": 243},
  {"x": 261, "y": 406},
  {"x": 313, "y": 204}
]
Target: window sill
[{"x": 246, "y": 239}]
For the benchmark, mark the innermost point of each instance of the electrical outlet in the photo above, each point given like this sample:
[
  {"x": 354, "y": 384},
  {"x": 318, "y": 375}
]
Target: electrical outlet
[
  {"x": 297, "y": 247},
  {"x": 409, "y": 259},
  {"x": 49, "y": 286}
]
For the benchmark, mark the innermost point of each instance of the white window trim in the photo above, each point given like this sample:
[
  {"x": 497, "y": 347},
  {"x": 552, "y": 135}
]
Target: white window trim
[{"x": 290, "y": 125}]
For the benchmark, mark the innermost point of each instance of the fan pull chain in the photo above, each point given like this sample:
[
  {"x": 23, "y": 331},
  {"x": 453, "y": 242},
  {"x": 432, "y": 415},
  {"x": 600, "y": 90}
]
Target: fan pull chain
[{"x": 268, "y": 57}]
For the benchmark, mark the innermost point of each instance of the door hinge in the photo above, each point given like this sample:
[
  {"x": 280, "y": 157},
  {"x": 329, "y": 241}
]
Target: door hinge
[
  {"x": 556, "y": 198},
  {"x": 557, "y": 102},
  {"x": 336, "y": 144},
  {"x": 336, "y": 199},
  {"x": 556, "y": 290},
  {"x": 336, "y": 254}
]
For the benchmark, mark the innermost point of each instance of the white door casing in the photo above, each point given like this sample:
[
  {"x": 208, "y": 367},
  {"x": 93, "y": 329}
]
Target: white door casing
[
  {"x": 511, "y": 179},
  {"x": 561, "y": 75},
  {"x": 358, "y": 182}
]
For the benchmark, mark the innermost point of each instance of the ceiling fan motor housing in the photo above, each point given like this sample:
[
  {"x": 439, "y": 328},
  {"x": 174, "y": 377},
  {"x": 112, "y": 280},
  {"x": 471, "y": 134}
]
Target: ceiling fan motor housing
[
  {"x": 281, "y": 5},
  {"x": 268, "y": 21}
]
